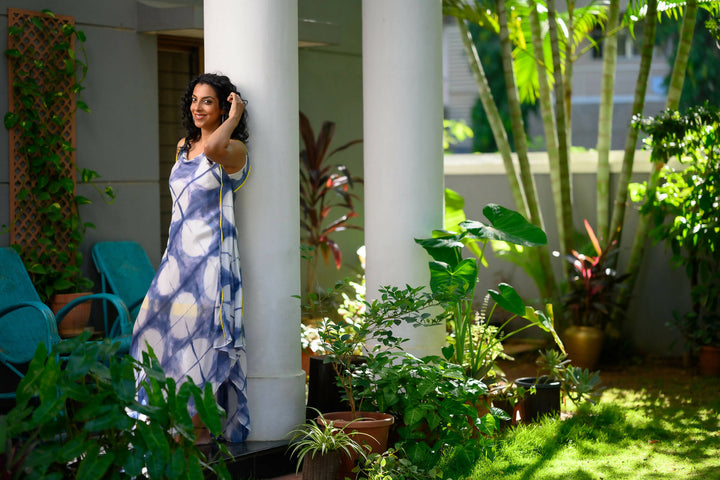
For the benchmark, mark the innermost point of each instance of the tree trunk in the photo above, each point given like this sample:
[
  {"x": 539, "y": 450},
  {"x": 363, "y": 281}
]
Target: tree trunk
[
  {"x": 605, "y": 121},
  {"x": 493, "y": 116},
  {"x": 542, "y": 254},
  {"x": 673, "y": 101},
  {"x": 565, "y": 223},
  {"x": 648, "y": 46}
]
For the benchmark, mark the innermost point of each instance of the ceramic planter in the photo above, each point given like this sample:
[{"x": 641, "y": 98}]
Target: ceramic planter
[
  {"x": 545, "y": 400},
  {"x": 374, "y": 428},
  {"x": 76, "y": 320},
  {"x": 709, "y": 361},
  {"x": 583, "y": 345}
]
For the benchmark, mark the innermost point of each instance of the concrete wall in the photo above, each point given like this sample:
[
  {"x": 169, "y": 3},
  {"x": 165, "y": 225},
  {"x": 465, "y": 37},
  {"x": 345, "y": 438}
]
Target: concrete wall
[{"x": 119, "y": 138}]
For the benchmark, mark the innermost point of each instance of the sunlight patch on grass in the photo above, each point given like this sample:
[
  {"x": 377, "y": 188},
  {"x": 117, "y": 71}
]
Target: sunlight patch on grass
[{"x": 667, "y": 433}]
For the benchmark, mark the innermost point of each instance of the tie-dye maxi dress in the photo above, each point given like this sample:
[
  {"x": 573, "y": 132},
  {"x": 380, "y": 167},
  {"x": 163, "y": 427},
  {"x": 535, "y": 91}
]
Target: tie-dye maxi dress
[{"x": 192, "y": 314}]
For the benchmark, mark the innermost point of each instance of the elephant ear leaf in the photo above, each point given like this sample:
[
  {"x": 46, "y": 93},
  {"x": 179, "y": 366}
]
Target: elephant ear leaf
[
  {"x": 506, "y": 225},
  {"x": 443, "y": 247},
  {"x": 508, "y": 299},
  {"x": 446, "y": 281}
]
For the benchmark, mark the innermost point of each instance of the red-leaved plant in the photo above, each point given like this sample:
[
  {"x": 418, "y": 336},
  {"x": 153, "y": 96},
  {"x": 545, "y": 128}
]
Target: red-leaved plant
[
  {"x": 325, "y": 191},
  {"x": 593, "y": 286}
]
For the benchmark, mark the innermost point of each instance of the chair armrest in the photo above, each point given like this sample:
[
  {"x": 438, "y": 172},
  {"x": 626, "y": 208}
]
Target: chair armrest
[
  {"x": 52, "y": 336},
  {"x": 41, "y": 307},
  {"x": 123, "y": 314}
]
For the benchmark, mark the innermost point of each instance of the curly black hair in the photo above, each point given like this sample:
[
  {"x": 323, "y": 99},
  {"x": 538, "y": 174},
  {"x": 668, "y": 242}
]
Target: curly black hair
[{"x": 223, "y": 87}]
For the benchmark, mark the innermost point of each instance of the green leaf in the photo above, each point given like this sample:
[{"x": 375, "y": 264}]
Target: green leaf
[
  {"x": 73, "y": 448},
  {"x": 13, "y": 52},
  {"x": 413, "y": 415},
  {"x": 94, "y": 465},
  {"x": 82, "y": 106},
  {"x": 38, "y": 23},
  {"x": 508, "y": 299},
  {"x": 195, "y": 470},
  {"x": 208, "y": 409},
  {"x": 454, "y": 213},
  {"x": 176, "y": 465},
  {"x": 506, "y": 225},
  {"x": 11, "y": 119},
  {"x": 457, "y": 282},
  {"x": 443, "y": 247}
]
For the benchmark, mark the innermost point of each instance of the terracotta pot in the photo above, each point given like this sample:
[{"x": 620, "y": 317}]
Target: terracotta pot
[
  {"x": 76, "y": 320},
  {"x": 321, "y": 467},
  {"x": 709, "y": 361},
  {"x": 305, "y": 362},
  {"x": 583, "y": 345},
  {"x": 374, "y": 428}
]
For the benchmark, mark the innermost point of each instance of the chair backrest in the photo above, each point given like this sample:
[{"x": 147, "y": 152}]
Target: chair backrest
[
  {"x": 15, "y": 283},
  {"x": 22, "y": 329},
  {"x": 125, "y": 270}
]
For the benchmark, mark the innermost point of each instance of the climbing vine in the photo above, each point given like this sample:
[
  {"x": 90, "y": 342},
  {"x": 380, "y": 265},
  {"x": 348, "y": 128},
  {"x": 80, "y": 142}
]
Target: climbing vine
[{"x": 46, "y": 82}]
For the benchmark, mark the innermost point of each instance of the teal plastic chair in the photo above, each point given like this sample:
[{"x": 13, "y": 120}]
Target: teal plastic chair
[
  {"x": 25, "y": 321},
  {"x": 125, "y": 270}
]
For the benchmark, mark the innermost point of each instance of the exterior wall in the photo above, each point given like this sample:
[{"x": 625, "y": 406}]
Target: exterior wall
[
  {"x": 119, "y": 139},
  {"x": 331, "y": 90}
]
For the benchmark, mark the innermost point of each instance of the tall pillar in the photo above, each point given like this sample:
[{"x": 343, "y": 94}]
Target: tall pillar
[
  {"x": 403, "y": 154},
  {"x": 255, "y": 43}
]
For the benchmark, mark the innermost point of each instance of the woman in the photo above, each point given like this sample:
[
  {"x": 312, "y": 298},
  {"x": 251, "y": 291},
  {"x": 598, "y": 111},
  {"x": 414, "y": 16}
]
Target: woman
[{"x": 192, "y": 314}]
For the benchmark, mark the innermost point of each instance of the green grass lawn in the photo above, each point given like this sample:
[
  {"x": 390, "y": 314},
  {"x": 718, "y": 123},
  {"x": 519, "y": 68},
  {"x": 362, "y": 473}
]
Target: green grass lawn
[{"x": 664, "y": 424}]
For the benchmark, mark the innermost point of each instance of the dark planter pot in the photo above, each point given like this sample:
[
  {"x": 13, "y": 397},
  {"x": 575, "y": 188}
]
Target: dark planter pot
[
  {"x": 545, "y": 400},
  {"x": 709, "y": 361},
  {"x": 321, "y": 467},
  {"x": 324, "y": 394}
]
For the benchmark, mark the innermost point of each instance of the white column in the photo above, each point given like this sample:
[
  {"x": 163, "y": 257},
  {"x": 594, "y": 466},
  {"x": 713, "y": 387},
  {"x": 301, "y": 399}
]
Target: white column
[
  {"x": 403, "y": 158},
  {"x": 255, "y": 43}
]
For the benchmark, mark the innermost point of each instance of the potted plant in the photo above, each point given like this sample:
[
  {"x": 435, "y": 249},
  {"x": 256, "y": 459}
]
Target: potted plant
[
  {"x": 358, "y": 340},
  {"x": 72, "y": 419},
  {"x": 325, "y": 190},
  {"x": 42, "y": 111},
  {"x": 320, "y": 446},
  {"x": 435, "y": 404},
  {"x": 683, "y": 207},
  {"x": 591, "y": 300},
  {"x": 556, "y": 375},
  {"x": 453, "y": 280}
]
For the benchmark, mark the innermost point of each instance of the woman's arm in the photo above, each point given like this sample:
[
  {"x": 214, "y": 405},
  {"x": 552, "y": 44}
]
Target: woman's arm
[{"x": 220, "y": 148}]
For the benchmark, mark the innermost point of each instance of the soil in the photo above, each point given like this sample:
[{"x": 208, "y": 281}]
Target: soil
[{"x": 618, "y": 374}]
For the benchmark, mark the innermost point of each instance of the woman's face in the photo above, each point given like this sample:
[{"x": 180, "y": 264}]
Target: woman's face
[{"x": 205, "y": 107}]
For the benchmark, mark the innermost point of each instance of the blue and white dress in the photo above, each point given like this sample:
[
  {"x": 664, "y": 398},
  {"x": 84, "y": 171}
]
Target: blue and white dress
[{"x": 192, "y": 314}]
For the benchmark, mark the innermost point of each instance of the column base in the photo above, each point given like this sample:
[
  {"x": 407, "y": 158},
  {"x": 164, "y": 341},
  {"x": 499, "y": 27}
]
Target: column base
[{"x": 276, "y": 404}]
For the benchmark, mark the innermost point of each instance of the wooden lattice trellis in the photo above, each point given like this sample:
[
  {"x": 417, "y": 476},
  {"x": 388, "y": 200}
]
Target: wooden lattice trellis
[{"x": 37, "y": 38}]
